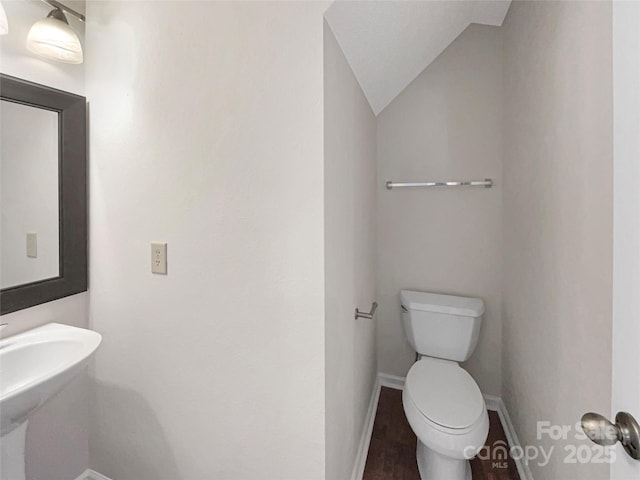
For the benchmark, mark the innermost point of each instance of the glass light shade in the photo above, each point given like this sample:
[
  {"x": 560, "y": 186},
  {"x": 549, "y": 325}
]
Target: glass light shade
[
  {"x": 4, "y": 24},
  {"x": 53, "y": 38}
]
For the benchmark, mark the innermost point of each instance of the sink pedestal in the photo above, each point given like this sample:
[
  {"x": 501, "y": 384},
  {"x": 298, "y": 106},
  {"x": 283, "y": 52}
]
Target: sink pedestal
[{"x": 12, "y": 464}]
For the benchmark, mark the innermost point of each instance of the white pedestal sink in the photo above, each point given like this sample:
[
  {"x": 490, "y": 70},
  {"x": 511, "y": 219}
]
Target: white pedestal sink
[{"x": 34, "y": 366}]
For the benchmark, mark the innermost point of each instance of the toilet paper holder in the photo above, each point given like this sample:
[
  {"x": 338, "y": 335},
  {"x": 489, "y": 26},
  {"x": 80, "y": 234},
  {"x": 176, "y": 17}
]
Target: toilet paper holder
[{"x": 367, "y": 315}]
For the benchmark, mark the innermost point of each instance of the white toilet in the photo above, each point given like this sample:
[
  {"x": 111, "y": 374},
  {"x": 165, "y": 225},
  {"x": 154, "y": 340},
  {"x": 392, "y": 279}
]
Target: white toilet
[{"x": 442, "y": 402}]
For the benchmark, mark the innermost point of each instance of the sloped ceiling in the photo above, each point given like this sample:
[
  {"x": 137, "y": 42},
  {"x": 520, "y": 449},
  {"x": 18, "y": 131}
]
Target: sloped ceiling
[{"x": 389, "y": 42}]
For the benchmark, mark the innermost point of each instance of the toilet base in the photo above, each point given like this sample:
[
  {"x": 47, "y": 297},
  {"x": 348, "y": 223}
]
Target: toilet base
[{"x": 433, "y": 466}]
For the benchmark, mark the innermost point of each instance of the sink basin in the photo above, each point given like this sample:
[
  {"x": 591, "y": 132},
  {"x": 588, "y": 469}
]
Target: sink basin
[{"x": 35, "y": 365}]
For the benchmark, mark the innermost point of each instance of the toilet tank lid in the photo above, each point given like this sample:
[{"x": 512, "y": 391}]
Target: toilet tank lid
[{"x": 435, "y": 302}]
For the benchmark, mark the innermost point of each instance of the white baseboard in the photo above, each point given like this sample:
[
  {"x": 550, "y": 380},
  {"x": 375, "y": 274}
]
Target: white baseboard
[
  {"x": 365, "y": 438},
  {"x": 493, "y": 403},
  {"x": 512, "y": 439},
  {"x": 91, "y": 475},
  {"x": 391, "y": 381}
]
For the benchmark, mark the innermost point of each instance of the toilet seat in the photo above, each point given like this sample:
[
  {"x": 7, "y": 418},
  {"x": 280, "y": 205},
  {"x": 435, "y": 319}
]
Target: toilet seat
[
  {"x": 445, "y": 395},
  {"x": 446, "y": 411}
]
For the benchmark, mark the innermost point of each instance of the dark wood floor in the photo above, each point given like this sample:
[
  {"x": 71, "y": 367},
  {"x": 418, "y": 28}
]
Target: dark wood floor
[{"x": 392, "y": 452}]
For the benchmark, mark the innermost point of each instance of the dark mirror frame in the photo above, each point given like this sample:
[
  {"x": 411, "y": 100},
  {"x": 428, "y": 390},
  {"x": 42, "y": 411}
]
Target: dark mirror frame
[{"x": 72, "y": 193}]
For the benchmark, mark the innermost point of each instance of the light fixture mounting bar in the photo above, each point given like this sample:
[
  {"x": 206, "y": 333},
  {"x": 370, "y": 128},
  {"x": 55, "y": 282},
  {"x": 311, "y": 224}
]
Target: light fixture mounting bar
[{"x": 65, "y": 9}]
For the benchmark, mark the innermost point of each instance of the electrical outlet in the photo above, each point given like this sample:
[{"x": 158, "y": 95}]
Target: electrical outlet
[
  {"x": 32, "y": 245},
  {"x": 159, "y": 258}
]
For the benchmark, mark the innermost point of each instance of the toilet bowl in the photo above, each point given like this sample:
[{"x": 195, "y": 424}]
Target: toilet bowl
[
  {"x": 446, "y": 411},
  {"x": 442, "y": 402}
]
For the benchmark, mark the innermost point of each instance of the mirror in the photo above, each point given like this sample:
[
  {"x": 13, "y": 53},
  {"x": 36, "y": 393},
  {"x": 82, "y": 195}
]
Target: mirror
[
  {"x": 29, "y": 246},
  {"x": 43, "y": 227}
]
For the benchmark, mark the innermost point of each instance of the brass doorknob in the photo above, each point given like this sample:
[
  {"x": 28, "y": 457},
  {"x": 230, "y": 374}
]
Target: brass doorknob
[{"x": 603, "y": 432}]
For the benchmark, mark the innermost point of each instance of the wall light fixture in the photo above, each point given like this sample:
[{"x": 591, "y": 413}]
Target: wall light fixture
[{"x": 53, "y": 38}]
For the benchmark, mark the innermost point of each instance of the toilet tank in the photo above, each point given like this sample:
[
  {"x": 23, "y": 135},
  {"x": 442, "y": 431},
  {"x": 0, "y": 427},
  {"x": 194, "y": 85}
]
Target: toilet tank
[{"x": 441, "y": 326}]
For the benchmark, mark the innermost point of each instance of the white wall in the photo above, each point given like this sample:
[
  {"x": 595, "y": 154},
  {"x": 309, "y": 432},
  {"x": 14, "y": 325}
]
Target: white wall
[
  {"x": 557, "y": 221},
  {"x": 349, "y": 222},
  {"x": 207, "y": 133},
  {"x": 28, "y": 193},
  {"x": 445, "y": 126},
  {"x": 57, "y": 438}
]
